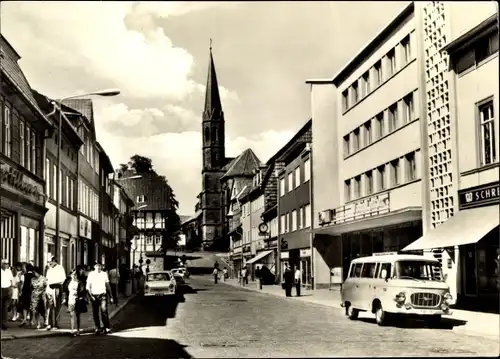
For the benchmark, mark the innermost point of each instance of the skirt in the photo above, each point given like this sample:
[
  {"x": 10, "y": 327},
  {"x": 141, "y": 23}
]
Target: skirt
[
  {"x": 78, "y": 307},
  {"x": 15, "y": 293}
]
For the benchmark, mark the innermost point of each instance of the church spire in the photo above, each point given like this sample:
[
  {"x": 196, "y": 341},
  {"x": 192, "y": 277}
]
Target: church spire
[{"x": 212, "y": 97}]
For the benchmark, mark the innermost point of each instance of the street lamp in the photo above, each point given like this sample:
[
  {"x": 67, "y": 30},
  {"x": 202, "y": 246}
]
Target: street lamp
[{"x": 58, "y": 106}]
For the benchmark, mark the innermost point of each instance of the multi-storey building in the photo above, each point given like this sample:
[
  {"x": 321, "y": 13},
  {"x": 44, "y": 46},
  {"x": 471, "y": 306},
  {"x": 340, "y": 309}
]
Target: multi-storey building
[
  {"x": 124, "y": 222},
  {"x": 461, "y": 221},
  {"x": 88, "y": 204},
  {"x": 294, "y": 209},
  {"x": 23, "y": 128},
  {"x": 367, "y": 159},
  {"x": 62, "y": 243},
  {"x": 109, "y": 212}
]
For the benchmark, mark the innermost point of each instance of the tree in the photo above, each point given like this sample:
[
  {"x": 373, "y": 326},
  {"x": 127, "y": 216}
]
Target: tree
[{"x": 141, "y": 164}]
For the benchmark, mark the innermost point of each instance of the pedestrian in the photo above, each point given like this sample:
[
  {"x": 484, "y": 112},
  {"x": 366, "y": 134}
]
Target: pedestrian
[
  {"x": 38, "y": 290},
  {"x": 16, "y": 284},
  {"x": 56, "y": 275},
  {"x": 7, "y": 287},
  {"x": 114, "y": 279},
  {"x": 215, "y": 273},
  {"x": 288, "y": 278},
  {"x": 258, "y": 276},
  {"x": 298, "y": 276},
  {"x": 26, "y": 291},
  {"x": 244, "y": 276},
  {"x": 224, "y": 274},
  {"x": 74, "y": 298},
  {"x": 99, "y": 291}
]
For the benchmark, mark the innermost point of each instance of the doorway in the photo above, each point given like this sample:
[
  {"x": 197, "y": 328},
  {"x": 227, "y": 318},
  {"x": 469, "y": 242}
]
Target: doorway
[{"x": 305, "y": 268}]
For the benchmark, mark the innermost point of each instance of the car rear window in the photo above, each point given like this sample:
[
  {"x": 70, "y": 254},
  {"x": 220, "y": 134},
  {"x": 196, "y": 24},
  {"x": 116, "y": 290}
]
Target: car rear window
[{"x": 156, "y": 277}]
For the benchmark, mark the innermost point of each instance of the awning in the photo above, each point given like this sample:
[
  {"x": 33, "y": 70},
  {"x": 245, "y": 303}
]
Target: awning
[
  {"x": 467, "y": 226},
  {"x": 259, "y": 256}
]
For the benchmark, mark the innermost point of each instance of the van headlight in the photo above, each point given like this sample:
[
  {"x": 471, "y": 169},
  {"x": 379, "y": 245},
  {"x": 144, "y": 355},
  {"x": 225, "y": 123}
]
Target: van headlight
[
  {"x": 400, "y": 298},
  {"x": 447, "y": 298}
]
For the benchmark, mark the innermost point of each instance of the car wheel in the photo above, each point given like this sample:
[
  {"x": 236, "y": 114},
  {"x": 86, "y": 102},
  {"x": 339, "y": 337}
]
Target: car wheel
[
  {"x": 380, "y": 315},
  {"x": 352, "y": 313}
]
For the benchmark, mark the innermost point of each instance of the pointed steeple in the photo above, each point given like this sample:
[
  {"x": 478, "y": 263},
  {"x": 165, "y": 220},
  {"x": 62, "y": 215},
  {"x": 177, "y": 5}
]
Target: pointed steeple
[{"x": 212, "y": 97}]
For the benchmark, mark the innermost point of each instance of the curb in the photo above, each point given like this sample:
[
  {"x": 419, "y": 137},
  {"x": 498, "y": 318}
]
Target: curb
[
  {"x": 457, "y": 329},
  {"x": 67, "y": 332}
]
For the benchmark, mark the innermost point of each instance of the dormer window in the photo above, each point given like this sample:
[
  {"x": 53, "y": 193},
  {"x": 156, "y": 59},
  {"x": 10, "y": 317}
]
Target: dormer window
[{"x": 141, "y": 199}]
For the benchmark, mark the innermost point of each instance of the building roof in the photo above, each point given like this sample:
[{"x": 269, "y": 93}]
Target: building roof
[
  {"x": 212, "y": 96},
  {"x": 85, "y": 107},
  {"x": 243, "y": 165},
  {"x": 192, "y": 218},
  {"x": 307, "y": 127},
  {"x": 12, "y": 71},
  {"x": 107, "y": 165},
  {"x": 242, "y": 196}
]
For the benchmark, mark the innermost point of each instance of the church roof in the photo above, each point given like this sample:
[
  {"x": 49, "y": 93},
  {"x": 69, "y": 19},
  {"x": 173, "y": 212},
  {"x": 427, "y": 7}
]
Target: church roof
[
  {"x": 243, "y": 165},
  {"x": 212, "y": 96}
]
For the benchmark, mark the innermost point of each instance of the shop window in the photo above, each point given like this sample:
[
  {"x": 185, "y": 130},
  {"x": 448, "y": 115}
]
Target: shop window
[{"x": 355, "y": 246}]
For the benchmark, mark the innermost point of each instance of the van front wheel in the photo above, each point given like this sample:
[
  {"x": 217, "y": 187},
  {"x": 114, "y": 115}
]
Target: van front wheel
[
  {"x": 352, "y": 313},
  {"x": 380, "y": 315}
]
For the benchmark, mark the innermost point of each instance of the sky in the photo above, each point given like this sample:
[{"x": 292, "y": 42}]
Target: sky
[{"x": 156, "y": 54}]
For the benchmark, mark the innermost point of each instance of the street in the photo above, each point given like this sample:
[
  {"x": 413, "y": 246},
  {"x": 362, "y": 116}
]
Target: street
[{"x": 225, "y": 321}]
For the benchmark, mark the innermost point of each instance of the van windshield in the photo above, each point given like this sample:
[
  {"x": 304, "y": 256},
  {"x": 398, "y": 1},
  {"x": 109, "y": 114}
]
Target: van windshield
[{"x": 421, "y": 270}]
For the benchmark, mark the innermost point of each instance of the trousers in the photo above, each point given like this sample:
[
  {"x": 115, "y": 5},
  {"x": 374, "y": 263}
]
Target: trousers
[{"x": 100, "y": 305}]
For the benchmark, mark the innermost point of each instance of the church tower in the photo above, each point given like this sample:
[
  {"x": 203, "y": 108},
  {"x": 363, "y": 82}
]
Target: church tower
[{"x": 214, "y": 158}]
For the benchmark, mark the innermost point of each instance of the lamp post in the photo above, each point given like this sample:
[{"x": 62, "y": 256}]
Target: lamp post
[{"x": 58, "y": 106}]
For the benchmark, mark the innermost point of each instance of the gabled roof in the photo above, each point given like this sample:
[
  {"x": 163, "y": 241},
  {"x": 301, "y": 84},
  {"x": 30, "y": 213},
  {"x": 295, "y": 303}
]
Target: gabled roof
[
  {"x": 85, "y": 107},
  {"x": 10, "y": 68},
  {"x": 243, "y": 165},
  {"x": 229, "y": 161}
]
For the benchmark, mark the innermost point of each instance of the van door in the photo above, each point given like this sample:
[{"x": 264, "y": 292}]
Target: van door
[
  {"x": 367, "y": 284},
  {"x": 380, "y": 283},
  {"x": 356, "y": 285}
]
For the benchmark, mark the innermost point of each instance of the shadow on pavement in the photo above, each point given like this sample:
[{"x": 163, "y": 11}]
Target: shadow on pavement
[
  {"x": 187, "y": 289},
  {"x": 418, "y": 323}
]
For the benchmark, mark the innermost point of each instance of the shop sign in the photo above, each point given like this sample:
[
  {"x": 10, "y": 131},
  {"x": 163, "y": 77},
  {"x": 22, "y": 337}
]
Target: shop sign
[
  {"x": 13, "y": 179},
  {"x": 336, "y": 275},
  {"x": 284, "y": 255},
  {"x": 85, "y": 229},
  {"x": 305, "y": 252},
  {"x": 479, "y": 196},
  {"x": 363, "y": 208}
]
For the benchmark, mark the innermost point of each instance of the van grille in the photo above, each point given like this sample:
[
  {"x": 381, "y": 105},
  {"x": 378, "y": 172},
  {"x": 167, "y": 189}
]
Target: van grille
[{"x": 425, "y": 300}]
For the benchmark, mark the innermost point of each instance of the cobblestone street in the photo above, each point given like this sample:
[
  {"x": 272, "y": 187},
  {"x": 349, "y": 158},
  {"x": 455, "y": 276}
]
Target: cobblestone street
[{"x": 225, "y": 321}]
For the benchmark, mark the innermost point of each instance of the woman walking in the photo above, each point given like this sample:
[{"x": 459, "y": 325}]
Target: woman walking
[
  {"x": 26, "y": 291},
  {"x": 16, "y": 282},
  {"x": 75, "y": 294},
  {"x": 39, "y": 286}
]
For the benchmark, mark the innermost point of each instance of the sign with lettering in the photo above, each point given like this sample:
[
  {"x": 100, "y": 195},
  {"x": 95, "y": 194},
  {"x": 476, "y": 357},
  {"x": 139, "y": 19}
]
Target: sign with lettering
[
  {"x": 363, "y": 208},
  {"x": 305, "y": 252},
  {"x": 285, "y": 255},
  {"x": 479, "y": 196},
  {"x": 15, "y": 181},
  {"x": 85, "y": 228}
]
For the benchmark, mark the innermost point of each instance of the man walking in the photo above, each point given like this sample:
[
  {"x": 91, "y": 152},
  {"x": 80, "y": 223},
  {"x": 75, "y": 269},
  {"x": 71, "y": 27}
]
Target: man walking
[
  {"x": 298, "y": 276},
  {"x": 99, "y": 291},
  {"x": 56, "y": 275},
  {"x": 114, "y": 279},
  {"x": 7, "y": 286}
]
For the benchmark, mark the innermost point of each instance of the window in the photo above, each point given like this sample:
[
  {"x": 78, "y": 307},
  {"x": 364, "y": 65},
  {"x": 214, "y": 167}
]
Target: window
[
  {"x": 411, "y": 167},
  {"x": 149, "y": 240},
  {"x": 282, "y": 224},
  {"x": 409, "y": 111},
  {"x": 287, "y": 222},
  {"x": 71, "y": 201},
  {"x": 345, "y": 100},
  {"x": 91, "y": 155},
  {"x": 158, "y": 240},
  {"x": 294, "y": 220},
  {"x": 368, "y": 133},
  {"x": 297, "y": 177},
  {"x": 47, "y": 177},
  {"x": 368, "y": 270},
  {"x": 355, "y": 270},
  {"x": 68, "y": 196},
  {"x": 406, "y": 50},
  {"x": 140, "y": 199},
  {"x": 395, "y": 177},
  {"x": 81, "y": 132},
  {"x": 54, "y": 181},
  {"x": 346, "y": 145},
  {"x": 33, "y": 151},
  {"x": 487, "y": 133},
  {"x": 369, "y": 183},
  {"x": 299, "y": 218},
  {"x": 60, "y": 186},
  {"x": 149, "y": 220},
  {"x": 7, "y": 142},
  {"x": 380, "y": 125},
  {"x": 385, "y": 270},
  {"x": 290, "y": 182},
  {"x": 381, "y": 177},
  {"x": 366, "y": 83},
  {"x": 96, "y": 162},
  {"x": 307, "y": 216},
  {"x": 486, "y": 47},
  {"x": 22, "y": 143},
  {"x": 347, "y": 190},
  {"x": 355, "y": 144},
  {"x": 391, "y": 63},
  {"x": 393, "y": 117},
  {"x": 378, "y": 73},
  {"x": 357, "y": 186},
  {"x": 355, "y": 93},
  {"x": 282, "y": 187},
  {"x": 307, "y": 170},
  {"x": 27, "y": 163}
]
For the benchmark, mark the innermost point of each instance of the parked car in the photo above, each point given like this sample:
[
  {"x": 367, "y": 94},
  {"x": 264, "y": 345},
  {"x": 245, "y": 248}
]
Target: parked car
[
  {"x": 184, "y": 271},
  {"x": 160, "y": 283},
  {"x": 391, "y": 284},
  {"x": 179, "y": 275}
]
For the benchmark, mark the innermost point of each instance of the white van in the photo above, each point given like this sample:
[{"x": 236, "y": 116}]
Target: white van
[{"x": 396, "y": 284}]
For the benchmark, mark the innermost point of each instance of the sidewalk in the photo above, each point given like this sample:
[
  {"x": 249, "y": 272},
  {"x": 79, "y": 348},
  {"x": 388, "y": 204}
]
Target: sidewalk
[
  {"x": 474, "y": 323},
  {"x": 87, "y": 323}
]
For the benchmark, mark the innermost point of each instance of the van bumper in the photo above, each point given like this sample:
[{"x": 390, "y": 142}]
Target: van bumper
[{"x": 419, "y": 311}]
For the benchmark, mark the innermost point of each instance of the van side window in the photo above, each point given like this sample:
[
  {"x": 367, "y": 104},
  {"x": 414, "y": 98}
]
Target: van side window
[
  {"x": 356, "y": 270},
  {"x": 384, "y": 268},
  {"x": 368, "y": 270}
]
